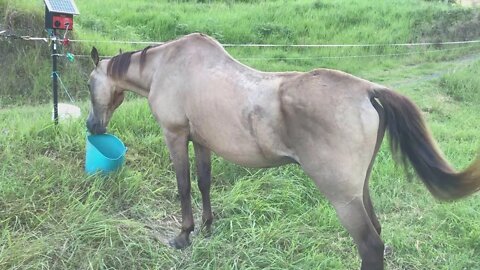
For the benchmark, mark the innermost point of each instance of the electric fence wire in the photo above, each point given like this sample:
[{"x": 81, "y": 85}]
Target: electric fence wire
[
  {"x": 324, "y": 57},
  {"x": 63, "y": 86},
  {"x": 3, "y": 33}
]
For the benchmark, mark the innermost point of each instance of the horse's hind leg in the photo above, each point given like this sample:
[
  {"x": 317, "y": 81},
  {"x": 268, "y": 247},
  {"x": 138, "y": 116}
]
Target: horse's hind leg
[
  {"x": 204, "y": 168},
  {"x": 340, "y": 174},
  {"x": 367, "y": 201},
  {"x": 355, "y": 219},
  {"x": 345, "y": 191}
]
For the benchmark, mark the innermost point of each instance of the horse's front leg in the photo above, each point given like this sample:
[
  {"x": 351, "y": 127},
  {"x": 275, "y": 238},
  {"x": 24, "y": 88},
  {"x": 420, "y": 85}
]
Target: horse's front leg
[{"x": 177, "y": 143}]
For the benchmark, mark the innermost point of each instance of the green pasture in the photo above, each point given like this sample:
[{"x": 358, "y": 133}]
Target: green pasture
[{"x": 53, "y": 216}]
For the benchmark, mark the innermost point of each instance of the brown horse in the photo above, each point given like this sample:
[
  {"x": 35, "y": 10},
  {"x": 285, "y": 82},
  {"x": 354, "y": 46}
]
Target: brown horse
[{"x": 329, "y": 122}]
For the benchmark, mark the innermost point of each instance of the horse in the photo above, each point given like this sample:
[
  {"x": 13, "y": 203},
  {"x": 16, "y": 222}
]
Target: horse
[{"x": 328, "y": 122}]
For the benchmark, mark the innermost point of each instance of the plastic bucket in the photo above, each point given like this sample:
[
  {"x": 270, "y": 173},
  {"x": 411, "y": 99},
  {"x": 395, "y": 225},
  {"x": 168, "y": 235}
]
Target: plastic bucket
[{"x": 105, "y": 153}]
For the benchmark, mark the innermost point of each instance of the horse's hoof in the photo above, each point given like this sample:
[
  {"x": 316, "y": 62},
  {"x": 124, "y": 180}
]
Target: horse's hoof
[{"x": 179, "y": 242}]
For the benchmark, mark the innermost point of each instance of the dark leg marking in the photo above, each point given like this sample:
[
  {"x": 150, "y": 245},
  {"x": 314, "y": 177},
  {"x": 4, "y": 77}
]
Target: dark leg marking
[{"x": 178, "y": 146}]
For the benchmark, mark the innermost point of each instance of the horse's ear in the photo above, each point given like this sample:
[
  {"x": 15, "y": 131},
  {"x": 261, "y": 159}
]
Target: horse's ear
[
  {"x": 94, "y": 55},
  {"x": 120, "y": 51}
]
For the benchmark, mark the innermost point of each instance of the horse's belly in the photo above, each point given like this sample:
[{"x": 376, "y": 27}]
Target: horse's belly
[
  {"x": 255, "y": 160},
  {"x": 244, "y": 151},
  {"x": 245, "y": 132}
]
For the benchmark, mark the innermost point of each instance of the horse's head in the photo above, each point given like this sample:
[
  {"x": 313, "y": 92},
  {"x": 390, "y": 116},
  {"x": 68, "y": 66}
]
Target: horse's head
[{"x": 105, "y": 95}]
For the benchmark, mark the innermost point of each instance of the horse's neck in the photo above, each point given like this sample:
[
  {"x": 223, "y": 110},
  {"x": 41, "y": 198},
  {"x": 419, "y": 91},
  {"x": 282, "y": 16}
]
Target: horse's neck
[{"x": 137, "y": 79}]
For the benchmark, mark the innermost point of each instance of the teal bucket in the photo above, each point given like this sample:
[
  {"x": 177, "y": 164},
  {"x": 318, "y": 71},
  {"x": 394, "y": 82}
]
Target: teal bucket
[{"x": 105, "y": 153}]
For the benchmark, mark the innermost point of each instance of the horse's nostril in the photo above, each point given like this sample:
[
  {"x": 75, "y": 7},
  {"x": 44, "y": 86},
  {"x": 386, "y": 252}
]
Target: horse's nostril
[
  {"x": 95, "y": 128},
  {"x": 100, "y": 130}
]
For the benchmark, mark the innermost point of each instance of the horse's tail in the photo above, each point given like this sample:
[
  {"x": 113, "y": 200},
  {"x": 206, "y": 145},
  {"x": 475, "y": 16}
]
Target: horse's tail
[{"x": 411, "y": 139}]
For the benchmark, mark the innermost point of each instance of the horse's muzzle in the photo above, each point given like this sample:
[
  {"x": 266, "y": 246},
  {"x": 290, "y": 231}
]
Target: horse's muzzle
[{"x": 95, "y": 127}]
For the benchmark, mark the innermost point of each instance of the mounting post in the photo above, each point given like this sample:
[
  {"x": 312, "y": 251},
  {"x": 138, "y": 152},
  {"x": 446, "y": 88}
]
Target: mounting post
[
  {"x": 58, "y": 15},
  {"x": 54, "y": 77}
]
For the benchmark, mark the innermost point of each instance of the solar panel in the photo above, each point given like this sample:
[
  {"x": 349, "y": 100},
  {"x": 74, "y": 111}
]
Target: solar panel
[{"x": 62, "y": 6}]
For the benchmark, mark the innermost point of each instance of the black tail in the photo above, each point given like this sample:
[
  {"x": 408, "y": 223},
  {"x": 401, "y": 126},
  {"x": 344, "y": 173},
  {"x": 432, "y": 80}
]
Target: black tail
[{"x": 410, "y": 137}]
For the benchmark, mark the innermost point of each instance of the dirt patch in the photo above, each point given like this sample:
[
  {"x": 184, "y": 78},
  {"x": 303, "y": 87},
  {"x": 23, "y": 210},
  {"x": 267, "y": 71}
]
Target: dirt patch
[{"x": 165, "y": 229}]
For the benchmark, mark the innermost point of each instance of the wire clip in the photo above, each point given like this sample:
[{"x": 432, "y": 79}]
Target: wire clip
[{"x": 70, "y": 57}]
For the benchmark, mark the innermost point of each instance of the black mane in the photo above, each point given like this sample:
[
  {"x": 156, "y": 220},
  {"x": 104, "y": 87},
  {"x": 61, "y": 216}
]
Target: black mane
[{"x": 118, "y": 65}]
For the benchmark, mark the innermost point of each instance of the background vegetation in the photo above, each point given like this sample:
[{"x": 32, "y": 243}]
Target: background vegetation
[
  {"x": 234, "y": 22},
  {"x": 54, "y": 217}
]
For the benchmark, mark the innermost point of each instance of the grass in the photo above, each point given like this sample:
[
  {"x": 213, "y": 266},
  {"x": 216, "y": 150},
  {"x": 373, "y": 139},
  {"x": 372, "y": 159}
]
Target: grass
[
  {"x": 460, "y": 86},
  {"x": 278, "y": 22},
  {"x": 52, "y": 216}
]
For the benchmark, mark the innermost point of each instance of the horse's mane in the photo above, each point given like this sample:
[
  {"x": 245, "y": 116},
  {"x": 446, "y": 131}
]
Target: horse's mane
[{"x": 118, "y": 65}]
